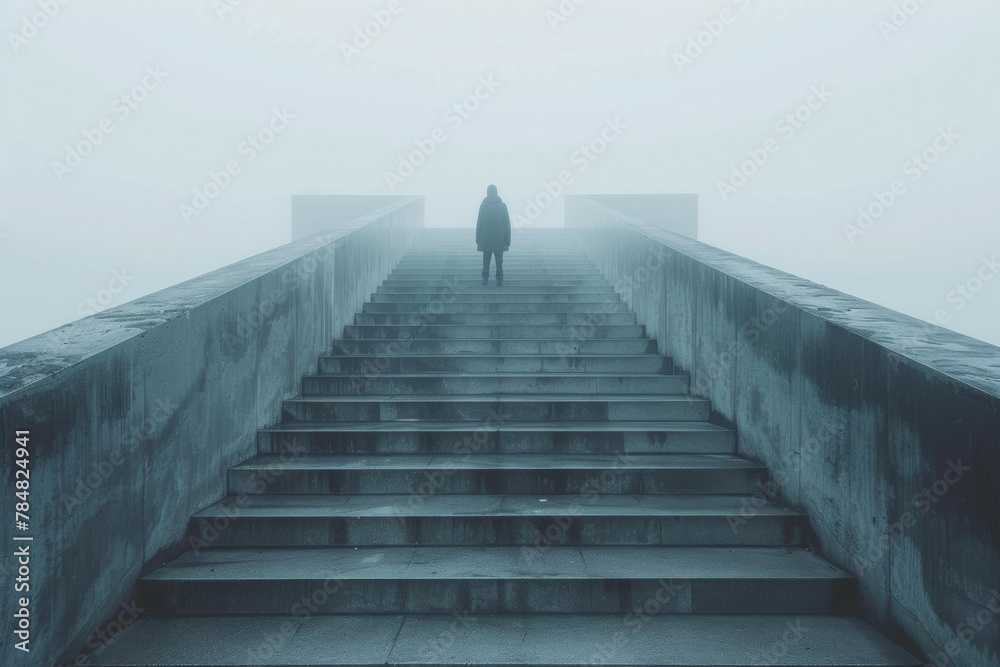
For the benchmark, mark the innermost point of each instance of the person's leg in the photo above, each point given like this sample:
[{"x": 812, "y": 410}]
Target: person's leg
[
  {"x": 487, "y": 256},
  {"x": 499, "y": 268}
]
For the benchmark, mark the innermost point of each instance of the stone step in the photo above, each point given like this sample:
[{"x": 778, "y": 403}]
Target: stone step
[
  {"x": 472, "y": 272},
  {"x": 494, "y": 319},
  {"x": 579, "y": 475},
  {"x": 567, "y": 332},
  {"x": 510, "y": 346},
  {"x": 446, "y": 267},
  {"x": 644, "y": 638},
  {"x": 557, "y": 408},
  {"x": 512, "y": 281},
  {"x": 457, "y": 264},
  {"x": 463, "y": 253},
  {"x": 510, "y": 438},
  {"x": 479, "y": 384},
  {"x": 496, "y": 307},
  {"x": 497, "y": 476},
  {"x": 469, "y": 271},
  {"x": 512, "y": 278},
  {"x": 508, "y": 289},
  {"x": 495, "y": 295},
  {"x": 451, "y": 261},
  {"x": 275, "y": 521},
  {"x": 428, "y": 580},
  {"x": 537, "y": 363}
]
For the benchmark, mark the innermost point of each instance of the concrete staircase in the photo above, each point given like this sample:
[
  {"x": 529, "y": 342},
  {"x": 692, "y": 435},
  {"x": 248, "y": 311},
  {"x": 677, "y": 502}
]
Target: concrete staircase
[{"x": 497, "y": 476}]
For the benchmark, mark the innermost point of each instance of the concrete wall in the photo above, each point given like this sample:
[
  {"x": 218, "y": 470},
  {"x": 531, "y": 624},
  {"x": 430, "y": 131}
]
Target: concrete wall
[
  {"x": 136, "y": 413},
  {"x": 312, "y": 214},
  {"x": 884, "y": 428},
  {"x": 675, "y": 213}
]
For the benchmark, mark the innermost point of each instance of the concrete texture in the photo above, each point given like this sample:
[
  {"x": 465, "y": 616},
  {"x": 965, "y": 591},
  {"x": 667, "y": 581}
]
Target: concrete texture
[
  {"x": 496, "y": 641},
  {"x": 481, "y": 520},
  {"x": 541, "y": 407},
  {"x": 873, "y": 422},
  {"x": 506, "y": 474},
  {"x": 136, "y": 413},
  {"x": 527, "y": 436},
  {"x": 496, "y": 579}
]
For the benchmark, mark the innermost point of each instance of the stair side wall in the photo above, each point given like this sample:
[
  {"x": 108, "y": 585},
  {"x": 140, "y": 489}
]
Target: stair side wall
[
  {"x": 885, "y": 429},
  {"x": 136, "y": 413}
]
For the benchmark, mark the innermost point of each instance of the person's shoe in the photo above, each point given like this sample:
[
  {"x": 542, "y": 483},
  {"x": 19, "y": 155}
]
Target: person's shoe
[
  {"x": 499, "y": 282},
  {"x": 486, "y": 280}
]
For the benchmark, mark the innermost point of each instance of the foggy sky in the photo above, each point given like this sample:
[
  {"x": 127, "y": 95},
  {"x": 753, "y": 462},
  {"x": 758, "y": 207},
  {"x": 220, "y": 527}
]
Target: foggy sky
[{"x": 176, "y": 91}]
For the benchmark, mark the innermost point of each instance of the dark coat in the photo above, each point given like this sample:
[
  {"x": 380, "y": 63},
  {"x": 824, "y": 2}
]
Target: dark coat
[{"x": 493, "y": 227}]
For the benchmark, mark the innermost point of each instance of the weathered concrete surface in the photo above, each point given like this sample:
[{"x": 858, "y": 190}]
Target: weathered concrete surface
[
  {"x": 871, "y": 421},
  {"x": 136, "y": 413},
  {"x": 666, "y": 639}
]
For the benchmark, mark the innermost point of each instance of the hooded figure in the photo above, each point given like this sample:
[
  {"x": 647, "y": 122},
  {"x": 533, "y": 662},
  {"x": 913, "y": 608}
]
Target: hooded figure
[{"x": 493, "y": 232}]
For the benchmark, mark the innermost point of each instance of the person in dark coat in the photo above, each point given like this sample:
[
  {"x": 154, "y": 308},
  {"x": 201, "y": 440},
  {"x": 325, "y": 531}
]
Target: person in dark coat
[{"x": 493, "y": 233}]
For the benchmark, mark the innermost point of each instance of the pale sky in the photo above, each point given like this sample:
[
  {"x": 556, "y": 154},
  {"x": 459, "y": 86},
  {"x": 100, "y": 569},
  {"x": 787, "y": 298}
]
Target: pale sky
[{"x": 200, "y": 76}]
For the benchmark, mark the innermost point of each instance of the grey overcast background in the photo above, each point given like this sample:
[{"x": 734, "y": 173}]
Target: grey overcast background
[{"x": 116, "y": 115}]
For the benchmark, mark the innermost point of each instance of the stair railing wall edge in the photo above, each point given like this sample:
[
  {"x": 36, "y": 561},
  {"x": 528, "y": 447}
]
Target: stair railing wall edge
[
  {"x": 885, "y": 429},
  {"x": 135, "y": 414}
]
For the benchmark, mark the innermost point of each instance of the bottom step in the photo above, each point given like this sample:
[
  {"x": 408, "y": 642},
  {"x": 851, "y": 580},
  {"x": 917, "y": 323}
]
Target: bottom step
[{"x": 634, "y": 639}]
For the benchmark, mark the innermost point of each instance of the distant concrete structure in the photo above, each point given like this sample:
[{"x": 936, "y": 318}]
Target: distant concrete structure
[
  {"x": 312, "y": 214},
  {"x": 675, "y": 213}
]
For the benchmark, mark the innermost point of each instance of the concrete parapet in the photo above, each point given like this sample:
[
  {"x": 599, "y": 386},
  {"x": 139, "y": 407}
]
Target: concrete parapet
[
  {"x": 883, "y": 428},
  {"x": 135, "y": 414}
]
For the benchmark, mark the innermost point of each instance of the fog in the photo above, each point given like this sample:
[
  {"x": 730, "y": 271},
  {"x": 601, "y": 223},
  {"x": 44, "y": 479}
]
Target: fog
[{"x": 145, "y": 143}]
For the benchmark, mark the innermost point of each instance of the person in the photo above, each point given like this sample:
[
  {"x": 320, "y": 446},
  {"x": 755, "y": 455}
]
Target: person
[{"x": 493, "y": 233}]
